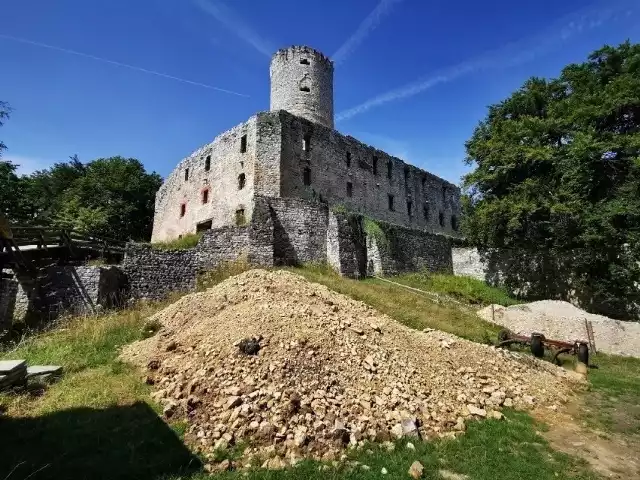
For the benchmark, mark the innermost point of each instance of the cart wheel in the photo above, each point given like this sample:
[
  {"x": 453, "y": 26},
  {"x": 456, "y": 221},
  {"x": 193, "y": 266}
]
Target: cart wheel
[
  {"x": 537, "y": 348},
  {"x": 503, "y": 335},
  {"x": 583, "y": 353}
]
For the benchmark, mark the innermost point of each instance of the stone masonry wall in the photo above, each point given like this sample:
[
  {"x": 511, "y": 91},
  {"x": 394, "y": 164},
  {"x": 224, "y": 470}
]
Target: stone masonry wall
[
  {"x": 332, "y": 160},
  {"x": 187, "y": 184}
]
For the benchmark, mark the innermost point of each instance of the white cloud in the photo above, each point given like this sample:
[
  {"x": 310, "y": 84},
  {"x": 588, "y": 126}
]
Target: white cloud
[
  {"x": 230, "y": 19},
  {"x": 508, "y": 56},
  {"x": 27, "y": 165},
  {"x": 368, "y": 25}
]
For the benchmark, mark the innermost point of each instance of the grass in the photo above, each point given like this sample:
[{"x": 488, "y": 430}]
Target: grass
[
  {"x": 99, "y": 422},
  {"x": 223, "y": 271},
  {"x": 189, "y": 240},
  {"x": 408, "y": 307},
  {"x": 464, "y": 289}
]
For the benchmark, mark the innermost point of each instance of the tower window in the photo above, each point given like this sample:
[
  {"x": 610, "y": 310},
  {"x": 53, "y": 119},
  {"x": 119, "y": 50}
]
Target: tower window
[
  {"x": 389, "y": 169},
  {"x": 406, "y": 176},
  {"x": 183, "y": 209},
  {"x": 409, "y": 208},
  {"x": 207, "y": 163},
  {"x": 454, "y": 223},
  {"x": 304, "y": 61},
  {"x": 243, "y": 144},
  {"x": 349, "y": 189},
  {"x": 304, "y": 88},
  {"x": 441, "y": 219},
  {"x": 306, "y": 176},
  {"x": 391, "y": 203},
  {"x": 205, "y": 195},
  {"x": 186, "y": 174},
  {"x": 240, "y": 217},
  {"x": 306, "y": 142},
  {"x": 375, "y": 165},
  {"x": 348, "y": 159},
  {"x": 242, "y": 179},
  {"x": 444, "y": 193},
  {"x": 425, "y": 212},
  {"x": 424, "y": 183}
]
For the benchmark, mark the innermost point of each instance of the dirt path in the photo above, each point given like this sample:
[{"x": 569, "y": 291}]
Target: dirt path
[{"x": 611, "y": 455}]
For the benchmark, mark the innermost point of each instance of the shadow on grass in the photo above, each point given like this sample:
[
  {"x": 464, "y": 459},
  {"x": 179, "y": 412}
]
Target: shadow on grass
[{"x": 113, "y": 443}]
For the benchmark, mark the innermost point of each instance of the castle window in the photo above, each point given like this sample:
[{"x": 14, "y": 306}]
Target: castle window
[
  {"x": 240, "y": 217},
  {"x": 306, "y": 142},
  {"x": 375, "y": 165},
  {"x": 304, "y": 61},
  {"x": 389, "y": 169},
  {"x": 348, "y": 159},
  {"x": 441, "y": 219},
  {"x": 205, "y": 195},
  {"x": 183, "y": 209},
  {"x": 306, "y": 176},
  {"x": 406, "y": 176},
  {"x": 409, "y": 208},
  {"x": 304, "y": 88},
  {"x": 207, "y": 163},
  {"x": 454, "y": 223},
  {"x": 242, "y": 179},
  {"x": 243, "y": 144},
  {"x": 203, "y": 226},
  {"x": 349, "y": 189},
  {"x": 444, "y": 193},
  {"x": 391, "y": 203},
  {"x": 424, "y": 183},
  {"x": 186, "y": 174},
  {"x": 425, "y": 212}
]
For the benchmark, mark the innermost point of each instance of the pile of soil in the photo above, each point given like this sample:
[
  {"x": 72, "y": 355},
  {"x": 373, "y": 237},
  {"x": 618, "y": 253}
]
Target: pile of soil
[{"x": 293, "y": 369}]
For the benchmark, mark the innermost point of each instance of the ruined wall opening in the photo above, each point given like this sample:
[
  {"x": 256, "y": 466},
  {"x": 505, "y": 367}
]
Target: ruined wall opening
[
  {"x": 375, "y": 165},
  {"x": 425, "y": 212},
  {"x": 389, "y": 169},
  {"x": 205, "y": 196},
  {"x": 306, "y": 142},
  {"x": 349, "y": 189},
  {"x": 409, "y": 207},
  {"x": 441, "y": 219},
  {"x": 306, "y": 176},
  {"x": 240, "y": 219},
  {"x": 183, "y": 210},
  {"x": 454, "y": 223},
  {"x": 304, "y": 88},
  {"x": 242, "y": 180},
  {"x": 304, "y": 61},
  {"x": 243, "y": 144},
  {"x": 186, "y": 174},
  {"x": 203, "y": 226},
  {"x": 348, "y": 159},
  {"x": 207, "y": 163},
  {"x": 390, "y": 200}
]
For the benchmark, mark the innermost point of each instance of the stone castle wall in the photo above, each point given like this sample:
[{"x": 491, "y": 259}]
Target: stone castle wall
[{"x": 332, "y": 161}]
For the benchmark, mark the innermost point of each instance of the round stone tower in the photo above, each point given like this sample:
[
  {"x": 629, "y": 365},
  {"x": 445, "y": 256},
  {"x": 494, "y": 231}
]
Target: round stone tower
[{"x": 302, "y": 84}]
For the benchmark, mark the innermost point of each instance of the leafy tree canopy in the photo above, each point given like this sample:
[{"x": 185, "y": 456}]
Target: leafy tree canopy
[{"x": 557, "y": 168}]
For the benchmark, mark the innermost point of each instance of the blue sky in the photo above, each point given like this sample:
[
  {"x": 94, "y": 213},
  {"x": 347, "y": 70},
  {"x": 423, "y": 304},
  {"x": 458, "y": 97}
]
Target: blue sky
[{"x": 412, "y": 77}]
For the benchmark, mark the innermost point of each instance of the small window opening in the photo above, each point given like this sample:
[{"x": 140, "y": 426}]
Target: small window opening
[
  {"x": 186, "y": 174},
  {"x": 304, "y": 88},
  {"x": 348, "y": 159},
  {"x": 306, "y": 142},
  {"x": 375, "y": 165},
  {"x": 207, "y": 163},
  {"x": 441, "y": 219},
  {"x": 179, "y": 236},
  {"x": 304, "y": 61},
  {"x": 424, "y": 182},
  {"x": 349, "y": 189},
  {"x": 409, "y": 207},
  {"x": 391, "y": 203},
  {"x": 242, "y": 179},
  {"x": 240, "y": 217},
  {"x": 243, "y": 144},
  {"x": 406, "y": 176},
  {"x": 183, "y": 209},
  {"x": 425, "y": 212},
  {"x": 205, "y": 195},
  {"x": 444, "y": 193},
  {"x": 204, "y": 226},
  {"x": 389, "y": 169},
  {"x": 306, "y": 176},
  {"x": 454, "y": 223}
]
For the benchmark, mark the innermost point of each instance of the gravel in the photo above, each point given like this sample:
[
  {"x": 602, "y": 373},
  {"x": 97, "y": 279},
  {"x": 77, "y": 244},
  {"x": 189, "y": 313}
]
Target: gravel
[
  {"x": 563, "y": 321},
  {"x": 330, "y": 373}
]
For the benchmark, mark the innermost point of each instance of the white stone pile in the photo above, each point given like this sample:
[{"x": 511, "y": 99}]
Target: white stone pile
[{"x": 330, "y": 372}]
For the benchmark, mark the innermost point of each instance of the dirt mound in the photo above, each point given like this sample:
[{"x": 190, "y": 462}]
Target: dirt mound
[
  {"x": 321, "y": 371},
  {"x": 563, "y": 321}
]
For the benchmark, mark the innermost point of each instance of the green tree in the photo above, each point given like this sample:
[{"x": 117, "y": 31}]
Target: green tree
[
  {"x": 557, "y": 170},
  {"x": 5, "y": 111}
]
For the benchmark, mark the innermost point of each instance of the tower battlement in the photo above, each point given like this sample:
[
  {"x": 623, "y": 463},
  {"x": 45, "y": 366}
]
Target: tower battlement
[{"x": 302, "y": 84}]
